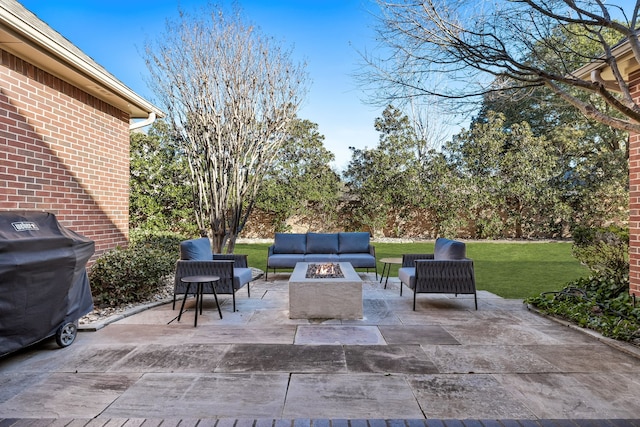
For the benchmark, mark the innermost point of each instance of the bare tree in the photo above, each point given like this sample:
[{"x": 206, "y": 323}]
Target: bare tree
[
  {"x": 229, "y": 93},
  {"x": 484, "y": 47},
  {"x": 430, "y": 124}
]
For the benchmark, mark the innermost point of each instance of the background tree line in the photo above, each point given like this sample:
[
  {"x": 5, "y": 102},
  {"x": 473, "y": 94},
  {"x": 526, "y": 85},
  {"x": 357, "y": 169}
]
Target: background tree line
[
  {"x": 526, "y": 167},
  {"x": 511, "y": 174}
]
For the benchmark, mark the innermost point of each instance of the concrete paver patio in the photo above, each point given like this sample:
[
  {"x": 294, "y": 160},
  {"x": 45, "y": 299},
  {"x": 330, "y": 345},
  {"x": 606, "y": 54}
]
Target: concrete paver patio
[{"x": 443, "y": 361}]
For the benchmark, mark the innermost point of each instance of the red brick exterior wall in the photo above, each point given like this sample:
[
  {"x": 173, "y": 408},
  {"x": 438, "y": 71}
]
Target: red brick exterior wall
[
  {"x": 63, "y": 151},
  {"x": 634, "y": 198}
]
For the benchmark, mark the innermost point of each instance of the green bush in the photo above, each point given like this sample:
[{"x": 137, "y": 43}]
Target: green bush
[
  {"x": 132, "y": 275},
  {"x": 605, "y": 251},
  {"x": 164, "y": 241},
  {"x": 598, "y": 303}
]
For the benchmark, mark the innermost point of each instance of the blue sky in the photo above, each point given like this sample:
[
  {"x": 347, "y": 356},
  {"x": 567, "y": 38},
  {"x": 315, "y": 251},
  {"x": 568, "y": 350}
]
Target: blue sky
[{"x": 327, "y": 34}]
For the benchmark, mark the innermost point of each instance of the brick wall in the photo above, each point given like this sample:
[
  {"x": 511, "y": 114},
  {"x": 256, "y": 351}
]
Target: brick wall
[
  {"x": 63, "y": 151},
  {"x": 634, "y": 198}
]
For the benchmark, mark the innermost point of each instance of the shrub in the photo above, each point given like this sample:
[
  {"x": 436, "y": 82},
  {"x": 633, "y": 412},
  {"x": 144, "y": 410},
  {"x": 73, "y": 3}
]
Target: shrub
[
  {"x": 132, "y": 275},
  {"x": 598, "y": 303},
  {"x": 603, "y": 250},
  {"x": 165, "y": 241}
]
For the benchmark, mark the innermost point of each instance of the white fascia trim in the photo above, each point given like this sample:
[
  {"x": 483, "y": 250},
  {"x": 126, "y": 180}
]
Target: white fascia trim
[{"x": 85, "y": 65}]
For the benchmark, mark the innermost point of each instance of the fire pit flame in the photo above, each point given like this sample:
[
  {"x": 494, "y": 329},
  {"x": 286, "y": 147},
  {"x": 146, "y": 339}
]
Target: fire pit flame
[{"x": 324, "y": 271}]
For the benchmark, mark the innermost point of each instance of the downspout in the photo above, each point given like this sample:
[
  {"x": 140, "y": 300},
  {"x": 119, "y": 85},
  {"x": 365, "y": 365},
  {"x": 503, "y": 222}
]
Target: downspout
[
  {"x": 143, "y": 123},
  {"x": 597, "y": 78}
]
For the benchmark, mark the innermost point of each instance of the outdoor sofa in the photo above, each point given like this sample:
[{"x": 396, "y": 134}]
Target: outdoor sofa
[
  {"x": 196, "y": 259},
  {"x": 291, "y": 248},
  {"x": 446, "y": 271}
]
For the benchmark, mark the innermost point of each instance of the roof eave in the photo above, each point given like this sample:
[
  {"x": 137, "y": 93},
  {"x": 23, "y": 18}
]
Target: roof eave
[
  {"x": 625, "y": 58},
  {"x": 27, "y": 37}
]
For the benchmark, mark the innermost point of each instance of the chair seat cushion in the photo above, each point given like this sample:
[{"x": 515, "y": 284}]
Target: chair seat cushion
[
  {"x": 407, "y": 275},
  {"x": 241, "y": 276}
]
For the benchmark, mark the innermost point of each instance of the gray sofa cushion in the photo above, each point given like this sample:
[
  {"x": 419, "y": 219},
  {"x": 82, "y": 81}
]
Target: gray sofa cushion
[
  {"x": 321, "y": 258},
  {"x": 322, "y": 243},
  {"x": 358, "y": 260},
  {"x": 196, "y": 249},
  {"x": 285, "y": 260},
  {"x": 446, "y": 249},
  {"x": 286, "y": 243},
  {"x": 353, "y": 247},
  {"x": 353, "y": 242}
]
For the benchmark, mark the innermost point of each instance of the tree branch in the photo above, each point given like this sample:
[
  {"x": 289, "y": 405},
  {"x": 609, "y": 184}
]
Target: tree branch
[{"x": 517, "y": 43}]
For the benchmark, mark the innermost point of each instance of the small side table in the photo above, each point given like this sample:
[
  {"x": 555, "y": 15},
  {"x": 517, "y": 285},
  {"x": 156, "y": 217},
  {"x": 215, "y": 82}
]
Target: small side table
[
  {"x": 387, "y": 263},
  {"x": 199, "y": 282}
]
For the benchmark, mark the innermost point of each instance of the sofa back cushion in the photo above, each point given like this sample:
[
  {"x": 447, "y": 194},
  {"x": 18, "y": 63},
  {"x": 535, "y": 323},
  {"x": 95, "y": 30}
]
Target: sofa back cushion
[
  {"x": 449, "y": 249},
  {"x": 353, "y": 242},
  {"x": 289, "y": 243},
  {"x": 322, "y": 243},
  {"x": 196, "y": 249}
]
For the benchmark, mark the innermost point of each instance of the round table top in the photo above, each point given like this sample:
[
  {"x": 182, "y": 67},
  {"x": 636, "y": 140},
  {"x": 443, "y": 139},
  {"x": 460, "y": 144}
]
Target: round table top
[
  {"x": 391, "y": 260},
  {"x": 200, "y": 279}
]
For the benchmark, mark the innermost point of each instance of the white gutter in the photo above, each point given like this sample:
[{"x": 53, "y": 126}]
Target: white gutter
[
  {"x": 621, "y": 52},
  {"x": 143, "y": 123}
]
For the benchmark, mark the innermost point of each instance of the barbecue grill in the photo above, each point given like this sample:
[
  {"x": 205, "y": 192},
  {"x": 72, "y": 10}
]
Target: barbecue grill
[{"x": 44, "y": 287}]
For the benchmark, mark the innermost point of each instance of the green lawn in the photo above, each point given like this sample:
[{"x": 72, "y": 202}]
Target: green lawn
[{"x": 510, "y": 270}]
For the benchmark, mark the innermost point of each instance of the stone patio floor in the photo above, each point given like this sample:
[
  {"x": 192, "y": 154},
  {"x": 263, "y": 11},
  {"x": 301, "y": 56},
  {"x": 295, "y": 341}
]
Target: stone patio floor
[{"x": 443, "y": 364}]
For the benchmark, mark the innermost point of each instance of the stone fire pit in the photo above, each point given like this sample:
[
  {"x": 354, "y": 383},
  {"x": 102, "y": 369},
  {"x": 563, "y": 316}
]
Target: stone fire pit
[{"x": 325, "y": 291}]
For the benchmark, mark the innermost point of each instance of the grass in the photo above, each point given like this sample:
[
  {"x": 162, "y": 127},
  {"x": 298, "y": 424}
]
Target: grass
[{"x": 510, "y": 270}]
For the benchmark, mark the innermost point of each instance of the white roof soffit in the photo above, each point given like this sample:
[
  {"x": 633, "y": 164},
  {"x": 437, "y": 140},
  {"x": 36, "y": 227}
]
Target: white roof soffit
[
  {"x": 599, "y": 70},
  {"x": 23, "y": 34}
]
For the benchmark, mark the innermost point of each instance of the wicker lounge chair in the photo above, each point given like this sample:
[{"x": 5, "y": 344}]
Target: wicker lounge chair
[
  {"x": 446, "y": 271},
  {"x": 197, "y": 259}
]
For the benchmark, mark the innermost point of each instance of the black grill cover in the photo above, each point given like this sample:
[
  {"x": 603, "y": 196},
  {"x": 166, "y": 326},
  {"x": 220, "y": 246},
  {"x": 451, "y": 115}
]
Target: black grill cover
[{"x": 43, "y": 277}]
